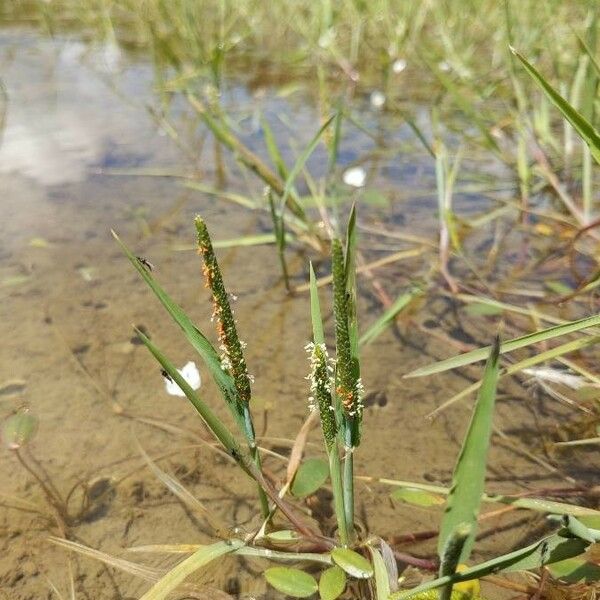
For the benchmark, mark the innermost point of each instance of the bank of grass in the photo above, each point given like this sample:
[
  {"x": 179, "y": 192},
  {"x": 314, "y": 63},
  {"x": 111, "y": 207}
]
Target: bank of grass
[{"x": 351, "y": 37}]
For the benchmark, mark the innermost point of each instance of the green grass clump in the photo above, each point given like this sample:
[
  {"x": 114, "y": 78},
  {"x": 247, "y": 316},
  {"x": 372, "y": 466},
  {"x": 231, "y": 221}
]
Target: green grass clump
[{"x": 352, "y": 563}]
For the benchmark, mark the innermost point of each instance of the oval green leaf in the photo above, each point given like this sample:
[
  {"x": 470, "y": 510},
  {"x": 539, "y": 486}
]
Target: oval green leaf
[
  {"x": 293, "y": 582},
  {"x": 311, "y": 475},
  {"x": 352, "y": 562},
  {"x": 18, "y": 429},
  {"x": 417, "y": 497},
  {"x": 332, "y": 583}
]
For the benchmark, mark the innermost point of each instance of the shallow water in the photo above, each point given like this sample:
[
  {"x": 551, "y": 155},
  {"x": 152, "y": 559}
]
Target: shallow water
[{"x": 68, "y": 299}]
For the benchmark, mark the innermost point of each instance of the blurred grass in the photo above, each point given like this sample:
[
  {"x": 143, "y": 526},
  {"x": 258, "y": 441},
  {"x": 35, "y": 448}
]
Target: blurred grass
[{"x": 361, "y": 39}]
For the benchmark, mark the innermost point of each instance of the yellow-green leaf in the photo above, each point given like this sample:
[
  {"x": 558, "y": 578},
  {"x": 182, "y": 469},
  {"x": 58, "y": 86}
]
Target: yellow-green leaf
[
  {"x": 292, "y": 582},
  {"x": 332, "y": 583},
  {"x": 311, "y": 475},
  {"x": 352, "y": 562}
]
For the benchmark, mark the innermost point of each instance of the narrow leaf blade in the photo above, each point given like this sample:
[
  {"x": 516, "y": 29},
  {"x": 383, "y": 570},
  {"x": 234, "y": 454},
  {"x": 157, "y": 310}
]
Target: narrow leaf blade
[
  {"x": 581, "y": 125},
  {"x": 521, "y": 342},
  {"x": 468, "y": 481}
]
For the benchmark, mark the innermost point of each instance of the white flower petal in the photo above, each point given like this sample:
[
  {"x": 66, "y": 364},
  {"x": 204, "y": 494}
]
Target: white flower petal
[
  {"x": 399, "y": 65},
  {"x": 355, "y": 176},
  {"x": 191, "y": 375},
  {"x": 377, "y": 99}
]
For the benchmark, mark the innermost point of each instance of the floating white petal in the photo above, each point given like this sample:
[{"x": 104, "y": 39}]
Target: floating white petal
[
  {"x": 377, "y": 99},
  {"x": 192, "y": 376},
  {"x": 355, "y": 176},
  {"x": 556, "y": 376},
  {"x": 399, "y": 65}
]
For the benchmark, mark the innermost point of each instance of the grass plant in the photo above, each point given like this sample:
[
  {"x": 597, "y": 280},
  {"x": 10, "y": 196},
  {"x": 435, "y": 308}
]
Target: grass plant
[
  {"x": 499, "y": 105},
  {"x": 352, "y": 564}
]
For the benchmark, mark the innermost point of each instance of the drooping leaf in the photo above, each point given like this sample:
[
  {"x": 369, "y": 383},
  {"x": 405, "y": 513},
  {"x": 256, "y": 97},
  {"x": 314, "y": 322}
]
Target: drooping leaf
[
  {"x": 352, "y": 562},
  {"x": 190, "y": 565},
  {"x": 311, "y": 475},
  {"x": 581, "y": 125},
  {"x": 468, "y": 480},
  {"x": 332, "y": 583},
  {"x": 292, "y": 582}
]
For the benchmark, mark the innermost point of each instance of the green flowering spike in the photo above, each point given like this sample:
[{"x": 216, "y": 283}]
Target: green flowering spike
[
  {"x": 233, "y": 359},
  {"x": 320, "y": 388},
  {"x": 348, "y": 385}
]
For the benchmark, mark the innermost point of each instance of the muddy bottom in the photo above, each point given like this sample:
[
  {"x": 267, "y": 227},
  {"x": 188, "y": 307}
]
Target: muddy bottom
[{"x": 69, "y": 298}]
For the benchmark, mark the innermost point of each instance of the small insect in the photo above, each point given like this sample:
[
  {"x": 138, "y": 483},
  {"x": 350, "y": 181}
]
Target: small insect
[
  {"x": 146, "y": 263},
  {"x": 166, "y": 375}
]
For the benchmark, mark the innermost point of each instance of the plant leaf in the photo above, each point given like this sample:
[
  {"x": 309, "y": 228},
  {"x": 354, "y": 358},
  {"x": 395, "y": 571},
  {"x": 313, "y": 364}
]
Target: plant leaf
[
  {"x": 311, "y": 475},
  {"x": 417, "y": 497},
  {"x": 196, "y": 561},
  {"x": 196, "y": 338},
  {"x": 521, "y": 342},
  {"x": 382, "y": 582},
  {"x": 581, "y": 125},
  {"x": 352, "y": 562},
  {"x": 217, "y": 427},
  {"x": 315, "y": 309},
  {"x": 543, "y": 552},
  {"x": 389, "y": 315},
  {"x": 292, "y": 582},
  {"x": 299, "y": 164},
  {"x": 468, "y": 480},
  {"x": 332, "y": 583}
]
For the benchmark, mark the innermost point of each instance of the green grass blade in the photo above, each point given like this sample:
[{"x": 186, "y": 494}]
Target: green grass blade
[
  {"x": 299, "y": 164},
  {"x": 199, "y": 559},
  {"x": 280, "y": 236},
  {"x": 273, "y": 150},
  {"x": 536, "y": 504},
  {"x": 216, "y": 426},
  {"x": 383, "y": 321},
  {"x": 543, "y": 552},
  {"x": 548, "y": 355},
  {"x": 521, "y": 342},
  {"x": 581, "y": 125},
  {"x": 337, "y": 136},
  {"x": 199, "y": 342},
  {"x": 468, "y": 479},
  {"x": 315, "y": 309}
]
